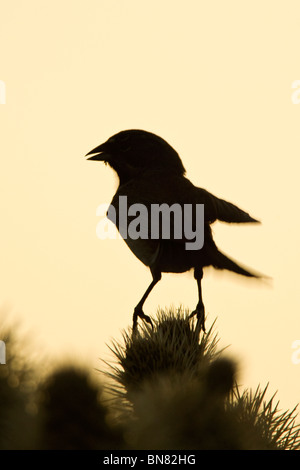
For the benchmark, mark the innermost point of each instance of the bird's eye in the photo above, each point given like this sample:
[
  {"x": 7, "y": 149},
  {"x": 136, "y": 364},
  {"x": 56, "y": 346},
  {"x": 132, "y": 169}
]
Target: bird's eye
[
  {"x": 124, "y": 143},
  {"x": 124, "y": 138}
]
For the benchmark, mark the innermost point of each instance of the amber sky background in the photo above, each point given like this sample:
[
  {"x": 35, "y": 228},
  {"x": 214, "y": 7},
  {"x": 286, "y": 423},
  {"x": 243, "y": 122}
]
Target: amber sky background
[{"x": 215, "y": 80}]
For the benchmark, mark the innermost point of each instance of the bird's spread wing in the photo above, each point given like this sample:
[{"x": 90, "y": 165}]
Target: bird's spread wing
[
  {"x": 156, "y": 188},
  {"x": 228, "y": 212}
]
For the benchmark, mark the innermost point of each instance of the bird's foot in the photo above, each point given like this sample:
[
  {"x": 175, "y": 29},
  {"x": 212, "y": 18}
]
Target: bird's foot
[
  {"x": 138, "y": 313},
  {"x": 199, "y": 311}
]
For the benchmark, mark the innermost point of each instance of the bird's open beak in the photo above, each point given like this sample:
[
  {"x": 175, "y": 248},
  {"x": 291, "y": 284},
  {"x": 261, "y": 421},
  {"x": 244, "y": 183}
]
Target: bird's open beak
[{"x": 98, "y": 154}]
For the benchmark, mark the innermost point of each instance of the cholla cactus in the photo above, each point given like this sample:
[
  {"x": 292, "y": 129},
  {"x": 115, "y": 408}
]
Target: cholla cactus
[
  {"x": 276, "y": 430},
  {"x": 18, "y": 382},
  {"x": 73, "y": 415},
  {"x": 180, "y": 392},
  {"x": 171, "y": 347}
]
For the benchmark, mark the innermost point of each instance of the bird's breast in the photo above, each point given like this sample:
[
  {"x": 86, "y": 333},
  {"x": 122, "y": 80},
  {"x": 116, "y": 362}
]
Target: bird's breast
[
  {"x": 134, "y": 231},
  {"x": 146, "y": 251}
]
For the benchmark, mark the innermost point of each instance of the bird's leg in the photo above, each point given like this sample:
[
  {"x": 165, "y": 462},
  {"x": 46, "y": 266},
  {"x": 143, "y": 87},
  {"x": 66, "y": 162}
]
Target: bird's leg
[
  {"x": 199, "y": 310},
  {"x": 138, "y": 311}
]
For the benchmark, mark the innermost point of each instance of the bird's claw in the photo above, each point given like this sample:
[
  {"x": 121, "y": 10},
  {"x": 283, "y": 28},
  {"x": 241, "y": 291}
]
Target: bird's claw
[
  {"x": 138, "y": 313},
  {"x": 199, "y": 311}
]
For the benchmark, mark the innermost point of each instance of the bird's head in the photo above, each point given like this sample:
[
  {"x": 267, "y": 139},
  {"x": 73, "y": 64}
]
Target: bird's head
[{"x": 132, "y": 152}]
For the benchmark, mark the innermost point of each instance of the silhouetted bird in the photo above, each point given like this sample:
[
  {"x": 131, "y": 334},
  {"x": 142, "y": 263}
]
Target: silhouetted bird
[{"x": 150, "y": 172}]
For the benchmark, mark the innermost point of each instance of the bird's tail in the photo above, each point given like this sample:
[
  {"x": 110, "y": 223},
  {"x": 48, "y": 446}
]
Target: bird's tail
[{"x": 221, "y": 261}]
